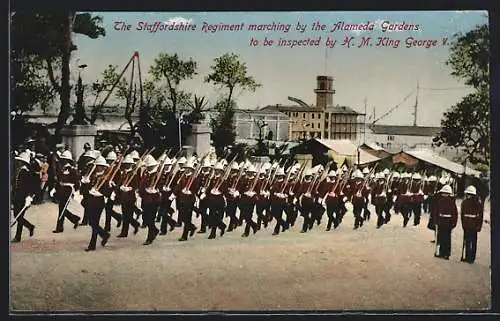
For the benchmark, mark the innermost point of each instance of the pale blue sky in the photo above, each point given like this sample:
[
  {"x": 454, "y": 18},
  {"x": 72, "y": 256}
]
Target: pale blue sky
[{"x": 383, "y": 75}]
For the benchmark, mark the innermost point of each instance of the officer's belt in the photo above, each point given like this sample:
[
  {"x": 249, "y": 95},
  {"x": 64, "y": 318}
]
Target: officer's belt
[
  {"x": 445, "y": 215},
  {"x": 470, "y": 215}
]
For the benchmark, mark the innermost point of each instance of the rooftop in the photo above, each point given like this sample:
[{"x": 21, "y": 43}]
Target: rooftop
[
  {"x": 296, "y": 108},
  {"x": 405, "y": 130}
]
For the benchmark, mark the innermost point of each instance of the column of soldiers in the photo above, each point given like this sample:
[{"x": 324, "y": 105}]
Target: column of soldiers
[{"x": 249, "y": 196}]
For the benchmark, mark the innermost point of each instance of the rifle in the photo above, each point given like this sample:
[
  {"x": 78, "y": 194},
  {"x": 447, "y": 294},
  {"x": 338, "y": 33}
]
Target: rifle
[
  {"x": 227, "y": 171},
  {"x": 366, "y": 179},
  {"x": 137, "y": 166},
  {"x": 159, "y": 173},
  {"x": 115, "y": 170}
]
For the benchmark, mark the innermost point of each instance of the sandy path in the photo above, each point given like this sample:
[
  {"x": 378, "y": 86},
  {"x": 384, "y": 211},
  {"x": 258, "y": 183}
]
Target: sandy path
[{"x": 387, "y": 268}]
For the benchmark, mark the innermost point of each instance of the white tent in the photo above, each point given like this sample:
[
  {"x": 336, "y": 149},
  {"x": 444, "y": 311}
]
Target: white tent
[
  {"x": 344, "y": 148},
  {"x": 429, "y": 157}
]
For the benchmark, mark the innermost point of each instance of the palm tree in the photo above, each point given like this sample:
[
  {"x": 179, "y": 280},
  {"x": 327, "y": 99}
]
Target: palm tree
[{"x": 198, "y": 107}]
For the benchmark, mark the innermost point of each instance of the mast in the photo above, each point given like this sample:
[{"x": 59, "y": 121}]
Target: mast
[{"x": 416, "y": 106}]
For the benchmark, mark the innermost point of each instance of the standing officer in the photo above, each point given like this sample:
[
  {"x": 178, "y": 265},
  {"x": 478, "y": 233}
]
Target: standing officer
[
  {"x": 109, "y": 188},
  {"x": 68, "y": 183},
  {"x": 446, "y": 216},
  {"x": 471, "y": 213},
  {"x": 22, "y": 194}
]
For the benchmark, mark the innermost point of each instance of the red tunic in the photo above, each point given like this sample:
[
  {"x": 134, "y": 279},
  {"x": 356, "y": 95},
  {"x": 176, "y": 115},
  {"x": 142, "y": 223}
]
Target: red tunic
[
  {"x": 416, "y": 197},
  {"x": 94, "y": 201},
  {"x": 147, "y": 180},
  {"x": 276, "y": 188},
  {"x": 129, "y": 196},
  {"x": 471, "y": 214},
  {"x": 377, "y": 198},
  {"x": 445, "y": 212},
  {"x": 67, "y": 175}
]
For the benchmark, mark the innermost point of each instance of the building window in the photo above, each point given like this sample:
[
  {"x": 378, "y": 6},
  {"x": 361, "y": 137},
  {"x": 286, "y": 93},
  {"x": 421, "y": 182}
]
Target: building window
[
  {"x": 390, "y": 138},
  {"x": 319, "y": 135},
  {"x": 388, "y": 145},
  {"x": 326, "y": 116},
  {"x": 312, "y": 116},
  {"x": 319, "y": 116},
  {"x": 322, "y": 86},
  {"x": 312, "y": 125},
  {"x": 304, "y": 115},
  {"x": 319, "y": 125},
  {"x": 326, "y": 135},
  {"x": 326, "y": 124}
]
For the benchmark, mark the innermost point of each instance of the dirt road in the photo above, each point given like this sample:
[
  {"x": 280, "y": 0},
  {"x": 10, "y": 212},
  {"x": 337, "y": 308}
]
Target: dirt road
[{"x": 388, "y": 268}]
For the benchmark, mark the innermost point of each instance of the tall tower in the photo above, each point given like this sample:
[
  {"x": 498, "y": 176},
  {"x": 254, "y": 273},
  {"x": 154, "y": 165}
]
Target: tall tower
[{"x": 324, "y": 91}]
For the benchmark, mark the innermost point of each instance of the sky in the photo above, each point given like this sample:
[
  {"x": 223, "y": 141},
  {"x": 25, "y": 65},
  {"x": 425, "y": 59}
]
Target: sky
[{"x": 381, "y": 76}]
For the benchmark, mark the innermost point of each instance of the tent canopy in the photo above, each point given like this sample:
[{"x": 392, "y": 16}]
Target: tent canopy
[
  {"x": 428, "y": 156},
  {"x": 344, "y": 148}
]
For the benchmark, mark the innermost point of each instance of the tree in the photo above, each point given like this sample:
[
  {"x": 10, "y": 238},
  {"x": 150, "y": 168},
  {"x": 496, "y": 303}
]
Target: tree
[
  {"x": 223, "y": 130},
  {"x": 173, "y": 70},
  {"x": 467, "y": 124},
  {"x": 228, "y": 72},
  {"x": 48, "y": 36}
]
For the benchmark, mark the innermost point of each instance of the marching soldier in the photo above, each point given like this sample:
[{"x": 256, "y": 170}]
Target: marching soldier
[
  {"x": 22, "y": 194},
  {"x": 393, "y": 193},
  {"x": 203, "y": 181},
  {"x": 128, "y": 180},
  {"x": 429, "y": 191},
  {"x": 150, "y": 198},
  {"x": 67, "y": 185},
  {"x": 379, "y": 199},
  {"x": 404, "y": 198},
  {"x": 446, "y": 215},
  {"x": 110, "y": 193},
  {"x": 471, "y": 213},
  {"x": 185, "y": 201},
  {"x": 329, "y": 193},
  {"x": 232, "y": 196},
  {"x": 262, "y": 205},
  {"x": 365, "y": 192},
  {"x": 87, "y": 172},
  {"x": 357, "y": 198},
  {"x": 417, "y": 198},
  {"x": 247, "y": 200},
  {"x": 216, "y": 203},
  {"x": 166, "y": 210},
  {"x": 96, "y": 202},
  {"x": 278, "y": 199},
  {"x": 306, "y": 197},
  {"x": 291, "y": 208}
]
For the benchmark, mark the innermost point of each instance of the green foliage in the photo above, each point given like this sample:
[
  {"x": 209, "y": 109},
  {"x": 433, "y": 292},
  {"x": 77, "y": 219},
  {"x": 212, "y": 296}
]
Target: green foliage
[
  {"x": 30, "y": 87},
  {"x": 467, "y": 124},
  {"x": 198, "y": 107},
  {"x": 171, "y": 70},
  {"x": 228, "y": 72},
  {"x": 470, "y": 57},
  {"x": 48, "y": 37},
  {"x": 223, "y": 130}
]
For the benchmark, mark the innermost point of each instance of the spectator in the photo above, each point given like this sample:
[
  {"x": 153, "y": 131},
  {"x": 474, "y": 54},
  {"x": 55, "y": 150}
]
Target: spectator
[{"x": 82, "y": 160}]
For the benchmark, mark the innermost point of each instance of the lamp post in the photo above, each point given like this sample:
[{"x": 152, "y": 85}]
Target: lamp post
[{"x": 180, "y": 134}]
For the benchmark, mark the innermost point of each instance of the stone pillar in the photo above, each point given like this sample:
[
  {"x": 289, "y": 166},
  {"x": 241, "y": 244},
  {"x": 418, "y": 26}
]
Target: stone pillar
[
  {"x": 76, "y": 136},
  {"x": 199, "y": 138},
  {"x": 303, "y": 158}
]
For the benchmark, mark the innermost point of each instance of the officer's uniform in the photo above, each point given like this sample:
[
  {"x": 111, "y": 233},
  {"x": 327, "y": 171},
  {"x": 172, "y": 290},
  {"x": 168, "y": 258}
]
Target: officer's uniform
[
  {"x": 471, "y": 213},
  {"x": 22, "y": 194}
]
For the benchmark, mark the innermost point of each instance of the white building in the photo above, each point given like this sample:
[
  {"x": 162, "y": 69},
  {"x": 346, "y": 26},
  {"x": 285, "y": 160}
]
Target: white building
[
  {"x": 248, "y": 121},
  {"x": 395, "y": 138}
]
